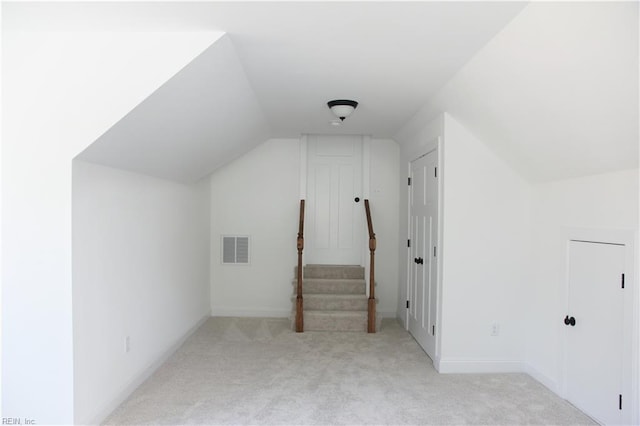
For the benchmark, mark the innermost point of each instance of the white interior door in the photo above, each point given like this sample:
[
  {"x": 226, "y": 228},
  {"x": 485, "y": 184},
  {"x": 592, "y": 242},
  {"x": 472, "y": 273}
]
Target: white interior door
[
  {"x": 423, "y": 276},
  {"x": 334, "y": 234},
  {"x": 594, "y": 333}
]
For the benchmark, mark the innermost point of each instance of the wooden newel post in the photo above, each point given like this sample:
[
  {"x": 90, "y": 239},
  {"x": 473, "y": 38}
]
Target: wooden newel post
[
  {"x": 371, "y": 311},
  {"x": 300, "y": 245},
  {"x": 371, "y": 315}
]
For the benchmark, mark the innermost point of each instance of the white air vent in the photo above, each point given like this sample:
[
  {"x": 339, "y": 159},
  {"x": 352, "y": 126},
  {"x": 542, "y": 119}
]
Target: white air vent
[{"x": 235, "y": 249}]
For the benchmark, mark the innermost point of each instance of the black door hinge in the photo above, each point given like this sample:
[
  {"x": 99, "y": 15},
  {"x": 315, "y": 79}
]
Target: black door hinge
[
  {"x": 408, "y": 243},
  {"x": 408, "y": 181},
  {"x": 434, "y": 251},
  {"x": 435, "y": 172},
  {"x": 622, "y": 280},
  {"x": 620, "y": 402},
  {"x": 407, "y": 304},
  {"x": 433, "y": 330}
]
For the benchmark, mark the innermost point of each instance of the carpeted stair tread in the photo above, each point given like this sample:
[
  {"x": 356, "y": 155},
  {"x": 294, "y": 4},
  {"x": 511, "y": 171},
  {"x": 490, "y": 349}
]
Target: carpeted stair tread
[
  {"x": 344, "y": 314},
  {"x": 334, "y": 298},
  {"x": 333, "y": 271},
  {"x": 335, "y": 320},
  {"x": 335, "y": 302},
  {"x": 332, "y": 286}
]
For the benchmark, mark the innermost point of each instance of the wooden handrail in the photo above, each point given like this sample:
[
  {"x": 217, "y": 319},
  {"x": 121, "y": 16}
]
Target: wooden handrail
[
  {"x": 299, "y": 309},
  {"x": 371, "y": 312}
]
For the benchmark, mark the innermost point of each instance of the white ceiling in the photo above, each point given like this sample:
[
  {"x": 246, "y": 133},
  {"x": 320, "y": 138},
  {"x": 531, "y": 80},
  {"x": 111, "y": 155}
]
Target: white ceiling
[
  {"x": 295, "y": 56},
  {"x": 545, "y": 86},
  {"x": 389, "y": 56}
]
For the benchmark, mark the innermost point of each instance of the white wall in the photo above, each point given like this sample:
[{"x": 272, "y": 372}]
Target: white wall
[
  {"x": 601, "y": 202},
  {"x": 485, "y": 231},
  {"x": 485, "y": 256},
  {"x": 384, "y": 199},
  {"x": 140, "y": 269},
  {"x": 504, "y": 253},
  {"x": 258, "y": 195},
  {"x": 61, "y": 90}
]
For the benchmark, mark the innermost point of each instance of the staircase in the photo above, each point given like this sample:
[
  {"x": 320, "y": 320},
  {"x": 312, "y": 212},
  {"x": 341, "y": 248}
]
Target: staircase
[{"x": 334, "y": 298}]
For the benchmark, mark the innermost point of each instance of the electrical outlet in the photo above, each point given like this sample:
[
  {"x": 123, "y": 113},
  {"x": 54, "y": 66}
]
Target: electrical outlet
[
  {"x": 127, "y": 344},
  {"x": 495, "y": 329}
]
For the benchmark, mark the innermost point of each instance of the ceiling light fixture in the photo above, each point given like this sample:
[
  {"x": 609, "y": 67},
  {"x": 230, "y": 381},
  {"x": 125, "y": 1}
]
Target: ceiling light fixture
[{"x": 342, "y": 108}]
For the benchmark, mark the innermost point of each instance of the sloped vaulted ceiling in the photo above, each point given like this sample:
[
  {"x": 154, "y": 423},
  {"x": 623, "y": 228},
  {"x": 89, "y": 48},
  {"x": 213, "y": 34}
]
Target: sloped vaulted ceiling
[
  {"x": 202, "y": 118},
  {"x": 555, "y": 93},
  {"x": 279, "y": 64},
  {"x": 551, "y": 87}
]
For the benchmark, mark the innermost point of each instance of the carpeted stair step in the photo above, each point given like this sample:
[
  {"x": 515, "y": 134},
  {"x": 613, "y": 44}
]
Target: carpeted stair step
[
  {"x": 331, "y": 286},
  {"x": 335, "y": 320},
  {"x": 354, "y": 272},
  {"x": 334, "y": 298},
  {"x": 334, "y": 302}
]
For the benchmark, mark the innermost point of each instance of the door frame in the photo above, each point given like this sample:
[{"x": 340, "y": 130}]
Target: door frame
[
  {"x": 430, "y": 146},
  {"x": 631, "y": 326}
]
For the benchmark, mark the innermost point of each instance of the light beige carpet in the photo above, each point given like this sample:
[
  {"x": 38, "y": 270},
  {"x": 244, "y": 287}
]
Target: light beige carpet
[{"x": 257, "y": 371}]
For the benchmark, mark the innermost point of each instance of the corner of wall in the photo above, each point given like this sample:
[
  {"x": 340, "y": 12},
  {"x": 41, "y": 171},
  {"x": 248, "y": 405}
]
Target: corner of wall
[
  {"x": 552, "y": 384},
  {"x": 103, "y": 413}
]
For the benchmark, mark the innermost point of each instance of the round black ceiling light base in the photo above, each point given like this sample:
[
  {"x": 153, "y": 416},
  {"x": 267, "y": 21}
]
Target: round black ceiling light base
[{"x": 342, "y": 108}]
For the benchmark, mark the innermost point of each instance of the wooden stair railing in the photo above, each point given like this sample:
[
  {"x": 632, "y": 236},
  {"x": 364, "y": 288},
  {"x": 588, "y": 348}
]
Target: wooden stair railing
[
  {"x": 371, "y": 312},
  {"x": 299, "y": 309}
]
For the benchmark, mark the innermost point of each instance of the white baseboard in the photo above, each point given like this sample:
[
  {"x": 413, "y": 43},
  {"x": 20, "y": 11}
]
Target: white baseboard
[
  {"x": 401, "y": 320},
  {"x": 250, "y": 313},
  {"x": 144, "y": 375},
  {"x": 548, "y": 382},
  {"x": 452, "y": 365},
  {"x": 448, "y": 366},
  {"x": 270, "y": 313}
]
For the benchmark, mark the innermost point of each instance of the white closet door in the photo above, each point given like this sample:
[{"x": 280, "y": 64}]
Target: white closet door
[
  {"x": 594, "y": 333},
  {"x": 422, "y": 291}
]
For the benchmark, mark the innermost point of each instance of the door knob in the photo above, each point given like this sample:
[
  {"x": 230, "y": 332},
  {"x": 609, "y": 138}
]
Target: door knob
[
  {"x": 357, "y": 199},
  {"x": 418, "y": 260},
  {"x": 569, "y": 321}
]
